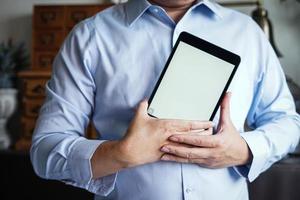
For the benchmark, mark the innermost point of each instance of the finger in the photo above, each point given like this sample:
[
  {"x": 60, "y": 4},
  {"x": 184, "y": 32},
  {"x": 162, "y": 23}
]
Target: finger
[
  {"x": 201, "y": 132},
  {"x": 173, "y": 158},
  {"x": 201, "y": 162},
  {"x": 225, "y": 109},
  {"x": 186, "y": 152},
  {"x": 142, "y": 108},
  {"x": 209, "y": 141},
  {"x": 169, "y": 157},
  {"x": 187, "y": 125},
  {"x": 168, "y": 142},
  {"x": 192, "y": 132}
]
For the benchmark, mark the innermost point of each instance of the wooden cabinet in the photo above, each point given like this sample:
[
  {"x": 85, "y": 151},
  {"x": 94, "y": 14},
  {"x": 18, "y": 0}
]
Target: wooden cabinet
[
  {"x": 34, "y": 87},
  {"x": 43, "y": 60},
  {"x": 48, "y": 40},
  {"x": 45, "y": 17},
  {"x": 51, "y": 24},
  {"x": 75, "y": 14}
]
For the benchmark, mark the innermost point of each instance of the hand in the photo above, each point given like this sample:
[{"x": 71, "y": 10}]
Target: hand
[
  {"x": 224, "y": 149},
  {"x": 146, "y": 135},
  {"x": 141, "y": 144}
]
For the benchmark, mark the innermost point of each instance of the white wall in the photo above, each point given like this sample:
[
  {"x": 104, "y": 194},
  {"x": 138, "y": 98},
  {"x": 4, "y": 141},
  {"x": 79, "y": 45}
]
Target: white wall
[
  {"x": 15, "y": 22},
  {"x": 285, "y": 17},
  {"x": 286, "y": 22},
  {"x": 16, "y": 17}
]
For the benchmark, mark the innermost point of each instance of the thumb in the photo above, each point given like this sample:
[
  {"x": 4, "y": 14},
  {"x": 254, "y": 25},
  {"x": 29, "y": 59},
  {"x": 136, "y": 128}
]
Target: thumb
[
  {"x": 225, "y": 109},
  {"x": 142, "y": 108}
]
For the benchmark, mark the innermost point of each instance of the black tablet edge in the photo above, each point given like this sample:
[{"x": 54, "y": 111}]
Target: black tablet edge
[
  {"x": 220, "y": 53},
  {"x": 210, "y": 48},
  {"x": 162, "y": 74},
  {"x": 223, "y": 93}
]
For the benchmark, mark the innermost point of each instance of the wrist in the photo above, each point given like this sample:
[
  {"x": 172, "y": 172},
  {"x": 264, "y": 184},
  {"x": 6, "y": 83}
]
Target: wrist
[
  {"x": 247, "y": 156},
  {"x": 106, "y": 159},
  {"x": 124, "y": 154}
]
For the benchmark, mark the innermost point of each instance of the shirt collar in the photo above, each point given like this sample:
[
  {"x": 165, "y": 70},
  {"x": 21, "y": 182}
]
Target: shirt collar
[
  {"x": 136, "y": 8},
  {"x": 213, "y": 6}
]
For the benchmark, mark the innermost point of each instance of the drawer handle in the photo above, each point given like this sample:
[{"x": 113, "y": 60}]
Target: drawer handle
[
  {"x": 78, "y": 16},
  {"x": 45, "y": 61},
  {"x": 47, "y": 17},
  {"x": 47, "y": 39},
  {"x": 39, "y": 89},
  {"x": 35, "y": 110}
]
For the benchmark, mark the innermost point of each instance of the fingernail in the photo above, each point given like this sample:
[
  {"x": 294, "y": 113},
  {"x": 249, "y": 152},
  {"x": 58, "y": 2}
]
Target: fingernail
[
  {"x": 165, "y": 149},
  {"x": 174, "y": 139},
  {"x": 164, "y": 157}
]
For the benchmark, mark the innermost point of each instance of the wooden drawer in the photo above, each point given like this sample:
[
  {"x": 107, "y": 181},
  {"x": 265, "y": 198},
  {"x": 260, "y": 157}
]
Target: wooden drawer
[
  {"x": 75, "y": 14},
  {"x": 28, "y": 125},
  {"x": 48, "y": 40},
  {"x": 32, "y": 107},
  {"x": 44, "y": 60},
  {"x": 35, "y": 87},
  {"x": 48, "y": 17}
]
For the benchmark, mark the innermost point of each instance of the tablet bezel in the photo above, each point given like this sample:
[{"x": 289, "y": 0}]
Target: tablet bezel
[{"x": 209, "y": 48}]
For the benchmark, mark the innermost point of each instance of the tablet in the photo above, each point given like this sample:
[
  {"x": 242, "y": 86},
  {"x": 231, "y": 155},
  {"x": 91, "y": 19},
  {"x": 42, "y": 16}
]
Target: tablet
[{"x": 194, "y": 80}]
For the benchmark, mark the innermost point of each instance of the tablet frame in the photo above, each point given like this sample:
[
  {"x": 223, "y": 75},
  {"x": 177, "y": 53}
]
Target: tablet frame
[{"x": 209, "y": 48}]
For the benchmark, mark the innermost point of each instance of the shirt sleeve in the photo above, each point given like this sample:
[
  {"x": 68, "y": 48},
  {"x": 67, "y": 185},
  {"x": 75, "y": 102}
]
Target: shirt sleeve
[
  {"x": 59, "y": 149},
  {"x": 272, "y": 116}
]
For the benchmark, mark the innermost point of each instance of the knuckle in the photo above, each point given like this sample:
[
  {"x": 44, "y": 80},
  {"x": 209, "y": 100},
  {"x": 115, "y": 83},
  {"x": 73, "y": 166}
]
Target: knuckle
[
  {"x": 175, "y": 151},
  {"x": 197, "y": 141},
  {"x": 207, "y": 154},
  {"x": 164, "y": 128},
  {"x": 210, "y": 162}
]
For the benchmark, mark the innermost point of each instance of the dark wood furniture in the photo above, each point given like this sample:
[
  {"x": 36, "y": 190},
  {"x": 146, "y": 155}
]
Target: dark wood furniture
[
  {"x": 51, "y": 24},
  {"x": 18, "y": 181},
  {"x": 280, "y": 182}
]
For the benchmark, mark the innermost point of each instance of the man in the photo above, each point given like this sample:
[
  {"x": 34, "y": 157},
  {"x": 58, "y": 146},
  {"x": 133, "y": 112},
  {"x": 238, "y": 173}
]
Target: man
[{"x": 111, "y": 62}]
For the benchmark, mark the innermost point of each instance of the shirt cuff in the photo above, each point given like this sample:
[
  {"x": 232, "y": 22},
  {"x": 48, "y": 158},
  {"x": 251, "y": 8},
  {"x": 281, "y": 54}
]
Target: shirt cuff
[
  {"x": 81, "y": 169},
  {"x": 258, "y": 146}
]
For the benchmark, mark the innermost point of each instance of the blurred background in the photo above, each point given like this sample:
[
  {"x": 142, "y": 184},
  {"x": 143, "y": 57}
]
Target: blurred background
[{"x": 31, "y": 32}]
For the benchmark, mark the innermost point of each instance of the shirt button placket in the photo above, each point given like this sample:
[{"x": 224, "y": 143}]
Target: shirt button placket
[
  {"x": 188, "y": 190},
  {"x": 175, "y": 35},
  {"x": 190, "y": 186}
]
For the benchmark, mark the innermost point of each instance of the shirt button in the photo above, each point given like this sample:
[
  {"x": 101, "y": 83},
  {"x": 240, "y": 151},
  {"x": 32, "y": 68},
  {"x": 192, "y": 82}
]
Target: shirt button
[
  {"x": 188, "y": 190},
  {"x": 155, "y": 10}
]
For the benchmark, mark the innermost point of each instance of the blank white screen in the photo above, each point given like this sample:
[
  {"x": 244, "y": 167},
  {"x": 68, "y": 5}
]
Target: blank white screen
[{"x": 191, "y": 86}]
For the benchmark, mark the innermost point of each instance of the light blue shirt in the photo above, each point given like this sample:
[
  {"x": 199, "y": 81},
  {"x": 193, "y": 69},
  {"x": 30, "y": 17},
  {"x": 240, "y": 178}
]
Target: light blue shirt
[{"x": 110, "y": 62}]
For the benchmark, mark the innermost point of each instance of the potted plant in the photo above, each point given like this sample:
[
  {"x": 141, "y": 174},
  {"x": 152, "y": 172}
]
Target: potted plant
[{"x": 12, "y": 58}]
